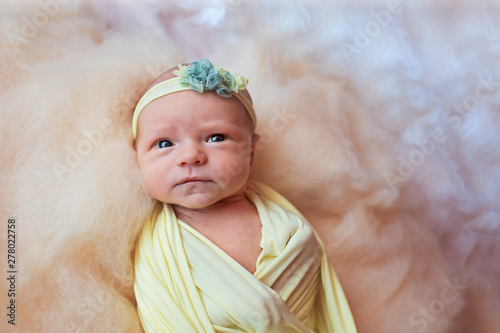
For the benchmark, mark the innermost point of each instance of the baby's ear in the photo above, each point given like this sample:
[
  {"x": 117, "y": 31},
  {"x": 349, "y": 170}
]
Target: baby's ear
[{"x": 255, "y": 139}]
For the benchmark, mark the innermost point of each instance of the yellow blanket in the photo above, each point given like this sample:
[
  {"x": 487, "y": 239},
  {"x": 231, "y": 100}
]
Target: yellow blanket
[{"x": 184, "y": 283}]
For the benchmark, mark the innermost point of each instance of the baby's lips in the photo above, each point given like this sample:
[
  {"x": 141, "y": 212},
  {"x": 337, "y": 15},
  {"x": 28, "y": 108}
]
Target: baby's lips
[{"x": 188, "y": 180}]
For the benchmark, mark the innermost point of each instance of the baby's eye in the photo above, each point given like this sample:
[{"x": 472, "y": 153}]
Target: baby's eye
[
  {"x": 216, "y": 138},
  {"x": 164, "y": 144}
]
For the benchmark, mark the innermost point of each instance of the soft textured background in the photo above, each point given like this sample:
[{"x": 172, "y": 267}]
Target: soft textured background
[{"x": 380, "y": 121}]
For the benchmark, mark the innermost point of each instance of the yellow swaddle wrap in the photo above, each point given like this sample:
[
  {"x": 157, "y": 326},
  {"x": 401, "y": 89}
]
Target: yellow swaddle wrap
[{"x": 184, "y": 283}]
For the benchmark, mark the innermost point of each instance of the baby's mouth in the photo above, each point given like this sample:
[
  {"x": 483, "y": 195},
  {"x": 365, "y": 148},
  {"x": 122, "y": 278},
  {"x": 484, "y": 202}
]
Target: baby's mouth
[{"x": 191, "y": 180}]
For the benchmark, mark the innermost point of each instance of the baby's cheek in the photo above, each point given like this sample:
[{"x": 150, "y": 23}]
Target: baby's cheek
[
  {"x": 149, "y": 181},
  {"x": 232, "y": 171},
  {"x": 234, "y": 168}
]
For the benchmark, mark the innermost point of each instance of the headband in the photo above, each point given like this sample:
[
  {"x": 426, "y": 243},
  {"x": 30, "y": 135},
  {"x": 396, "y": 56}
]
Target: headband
[{"x": 200, "y": 76}]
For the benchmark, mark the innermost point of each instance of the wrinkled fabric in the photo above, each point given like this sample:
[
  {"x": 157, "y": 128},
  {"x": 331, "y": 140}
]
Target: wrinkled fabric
[{"x": 184, "y": 283}]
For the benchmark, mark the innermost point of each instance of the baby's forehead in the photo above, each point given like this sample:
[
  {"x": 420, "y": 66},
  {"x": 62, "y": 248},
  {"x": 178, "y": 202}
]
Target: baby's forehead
[{"x": 202, "y": 107}]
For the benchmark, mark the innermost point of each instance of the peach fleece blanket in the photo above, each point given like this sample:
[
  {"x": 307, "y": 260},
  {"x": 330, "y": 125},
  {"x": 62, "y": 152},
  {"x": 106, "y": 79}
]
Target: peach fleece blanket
[{"x": 379, "y": 121}]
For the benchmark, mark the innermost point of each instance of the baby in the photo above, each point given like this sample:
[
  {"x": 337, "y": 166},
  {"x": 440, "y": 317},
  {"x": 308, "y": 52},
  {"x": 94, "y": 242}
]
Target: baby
[{"x": 222, "y": 253}]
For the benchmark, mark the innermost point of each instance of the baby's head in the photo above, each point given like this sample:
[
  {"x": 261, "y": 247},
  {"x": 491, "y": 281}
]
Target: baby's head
[{"x": 195, "y": 149}]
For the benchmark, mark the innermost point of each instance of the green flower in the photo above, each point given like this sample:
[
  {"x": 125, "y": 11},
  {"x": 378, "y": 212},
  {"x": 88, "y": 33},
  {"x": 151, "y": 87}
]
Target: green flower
[
  {"x": 202, "y": 76},
  {"x": 213, "y": 80}
]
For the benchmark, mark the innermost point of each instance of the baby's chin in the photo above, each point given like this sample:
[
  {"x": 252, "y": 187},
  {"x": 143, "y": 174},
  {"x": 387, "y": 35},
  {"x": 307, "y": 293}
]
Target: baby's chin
[
  {"x": 201, "y": 202},
  {"x": 203, "y": 195},
  {"x": 197, "y": 201}
]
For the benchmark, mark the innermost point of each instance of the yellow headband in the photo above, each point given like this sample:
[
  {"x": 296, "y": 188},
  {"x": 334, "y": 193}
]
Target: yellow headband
[{"x": 174, "y": 85}]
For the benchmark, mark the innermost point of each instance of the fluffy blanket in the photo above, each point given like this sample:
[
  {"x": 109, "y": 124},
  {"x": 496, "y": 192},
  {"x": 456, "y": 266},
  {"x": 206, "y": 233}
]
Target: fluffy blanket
[{"x": 379, "y": 121}]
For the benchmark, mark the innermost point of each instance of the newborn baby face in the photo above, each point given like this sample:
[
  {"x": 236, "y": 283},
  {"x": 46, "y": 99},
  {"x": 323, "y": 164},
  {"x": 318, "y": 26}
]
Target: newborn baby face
[{"x": 195, "y": 149}]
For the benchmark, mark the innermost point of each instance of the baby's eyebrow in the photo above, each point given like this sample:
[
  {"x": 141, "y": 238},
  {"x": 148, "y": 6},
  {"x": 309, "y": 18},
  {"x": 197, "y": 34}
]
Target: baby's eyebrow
[
  {"x": 155, "y": 132},
  {"x": 220, "y": 124},
  {"x": 163, "y": 130}
]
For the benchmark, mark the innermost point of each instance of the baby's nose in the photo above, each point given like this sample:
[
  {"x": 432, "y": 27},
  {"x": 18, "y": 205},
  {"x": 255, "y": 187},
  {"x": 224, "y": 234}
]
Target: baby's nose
[{"x": 192, "y": 154}]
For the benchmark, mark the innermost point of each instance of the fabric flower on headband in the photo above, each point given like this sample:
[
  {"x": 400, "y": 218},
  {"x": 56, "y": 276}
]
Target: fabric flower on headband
[{"x": 202, "y": 76}]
